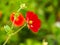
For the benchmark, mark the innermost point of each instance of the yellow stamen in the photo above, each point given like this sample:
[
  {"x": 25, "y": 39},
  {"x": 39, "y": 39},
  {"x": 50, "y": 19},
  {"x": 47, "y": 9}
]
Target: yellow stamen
[{"x": 30, "y": 22}]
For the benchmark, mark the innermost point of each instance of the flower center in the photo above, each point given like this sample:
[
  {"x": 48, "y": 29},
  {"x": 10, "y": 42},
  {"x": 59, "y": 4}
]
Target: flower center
[{"x": 30, "y": 22}]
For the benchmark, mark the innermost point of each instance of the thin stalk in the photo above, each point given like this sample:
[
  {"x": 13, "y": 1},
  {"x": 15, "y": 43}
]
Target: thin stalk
[{"x": 13, "y": 34}]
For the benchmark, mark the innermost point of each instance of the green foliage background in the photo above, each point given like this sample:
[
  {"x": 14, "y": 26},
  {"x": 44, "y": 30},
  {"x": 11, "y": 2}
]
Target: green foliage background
[{"x": 47, "y": 11}]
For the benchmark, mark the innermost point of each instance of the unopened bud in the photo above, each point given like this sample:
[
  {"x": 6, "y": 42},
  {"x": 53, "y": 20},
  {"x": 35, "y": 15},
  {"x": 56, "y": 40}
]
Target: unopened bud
[{"x": 23, "y": 6}]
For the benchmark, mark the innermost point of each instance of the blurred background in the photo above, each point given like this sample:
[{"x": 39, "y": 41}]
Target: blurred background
[{"x": 48, "y": 12}]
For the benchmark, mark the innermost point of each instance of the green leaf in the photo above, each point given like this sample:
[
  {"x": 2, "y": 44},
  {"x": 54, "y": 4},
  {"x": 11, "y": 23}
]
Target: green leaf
[{"x": 7, "y": 29}]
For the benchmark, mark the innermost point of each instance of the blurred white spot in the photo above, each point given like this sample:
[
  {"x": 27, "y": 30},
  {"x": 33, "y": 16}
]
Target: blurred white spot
[
  {"x": 44, "y": 42},
  {"x": 31, "y": 25},
  {"x": 57, "y": 24}
]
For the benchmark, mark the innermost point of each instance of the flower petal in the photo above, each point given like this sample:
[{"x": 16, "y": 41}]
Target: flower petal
[
  {"x": 19, "y": 21},
  {"x": 12, "y": 17},
  {"x": 31, "y": 16},
  {"x": 35, "y": 26}
]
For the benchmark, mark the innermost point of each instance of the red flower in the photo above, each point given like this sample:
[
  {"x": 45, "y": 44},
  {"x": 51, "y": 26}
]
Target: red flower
[
  {"x": 33, "y": 22},
  {"x": 19, "y": 21}
]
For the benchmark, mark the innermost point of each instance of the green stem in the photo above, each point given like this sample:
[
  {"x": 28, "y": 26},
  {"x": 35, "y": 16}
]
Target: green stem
[
  {"x": 12, "y": 24},
  {"x": 6, "y": 40},
  {"x": 18, "y": 30},
  {"x": 19, "y": 9},
  {"x": 14, "y": 18},
  {"x": 13, "y": 34}
]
